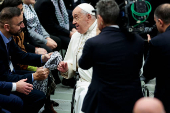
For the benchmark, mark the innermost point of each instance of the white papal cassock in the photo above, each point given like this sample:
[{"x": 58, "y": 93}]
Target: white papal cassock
[{"x": 72, "y": 56}]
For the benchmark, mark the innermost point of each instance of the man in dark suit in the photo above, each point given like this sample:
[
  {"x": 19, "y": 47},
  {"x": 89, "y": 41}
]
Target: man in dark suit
[
  {"x": 116, "y": 58},
  {"x": 11, "y": 23},
  {"x": 9, "y": 101},
  {"x": 157, "y": 63}
]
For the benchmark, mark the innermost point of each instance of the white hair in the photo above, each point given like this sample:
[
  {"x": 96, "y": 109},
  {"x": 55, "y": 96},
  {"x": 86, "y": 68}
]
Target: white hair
[{"x": 85, "y": 13}]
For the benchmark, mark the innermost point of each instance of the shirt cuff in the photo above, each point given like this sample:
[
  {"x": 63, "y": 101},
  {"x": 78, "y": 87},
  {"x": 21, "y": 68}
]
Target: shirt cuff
[
  {"x": 14, "y": 86},
  {"x": 32, "y": 78},
  {"x": 41, "y": 59}
]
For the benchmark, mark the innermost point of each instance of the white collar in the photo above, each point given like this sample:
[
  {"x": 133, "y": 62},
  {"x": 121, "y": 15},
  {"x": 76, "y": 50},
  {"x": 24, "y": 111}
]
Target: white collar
[{"x": 116, "y": 26}]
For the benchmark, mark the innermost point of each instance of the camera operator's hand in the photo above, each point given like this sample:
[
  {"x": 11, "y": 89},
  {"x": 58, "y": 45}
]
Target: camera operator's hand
[
  {"x": 149, "y": 37},
  {"x": 41, "y": 73}
]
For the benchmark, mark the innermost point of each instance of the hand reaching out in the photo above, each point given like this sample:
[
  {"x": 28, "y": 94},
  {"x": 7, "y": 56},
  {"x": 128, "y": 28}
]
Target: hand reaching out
[{"x": 62, "y": 67}]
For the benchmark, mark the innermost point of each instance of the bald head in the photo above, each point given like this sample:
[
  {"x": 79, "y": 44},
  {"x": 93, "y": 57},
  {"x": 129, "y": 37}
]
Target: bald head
[
  {"x": 148, "y": 105},
  {"x": 163, "y": 12}
]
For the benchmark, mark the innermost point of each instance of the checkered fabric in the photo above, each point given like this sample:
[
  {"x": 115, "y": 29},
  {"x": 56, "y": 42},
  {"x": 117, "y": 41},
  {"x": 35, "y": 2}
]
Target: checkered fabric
[
  {"x": 61, "y": 13},
  {"x": 32, "y": 18}
]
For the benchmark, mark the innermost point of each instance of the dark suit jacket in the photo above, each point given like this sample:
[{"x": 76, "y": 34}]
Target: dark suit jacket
[
  {"x": 157, "y": 65},
  {"x": 70, "y": 4},
  {"x": 116, "y": 60},
  {"x": 17, "y": 56},
  {"x": 46, "y": 14},
  {"x": 94, "y": 2}
]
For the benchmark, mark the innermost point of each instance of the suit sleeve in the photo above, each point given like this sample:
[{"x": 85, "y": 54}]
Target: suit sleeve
[
  {"x": 86, "y": 60},
  {"x": 5, "y": 87},
  {"x": 19, "y": 56},
  {"x": 150, "y": 66}
]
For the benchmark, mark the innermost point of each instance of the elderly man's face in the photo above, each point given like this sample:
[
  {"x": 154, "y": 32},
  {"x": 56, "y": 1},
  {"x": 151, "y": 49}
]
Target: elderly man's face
[{"x": 80, "y": 20}]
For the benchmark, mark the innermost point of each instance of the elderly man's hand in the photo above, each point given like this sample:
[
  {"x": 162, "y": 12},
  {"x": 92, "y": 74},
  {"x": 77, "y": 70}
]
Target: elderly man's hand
[
  {"x": 41, "y": 73},
  {"x": 23, "y": 87},
  {"x": 62, "y": 67}
]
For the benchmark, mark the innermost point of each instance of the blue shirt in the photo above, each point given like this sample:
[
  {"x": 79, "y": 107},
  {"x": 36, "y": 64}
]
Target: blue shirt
[{"x": 6, "y": 40}]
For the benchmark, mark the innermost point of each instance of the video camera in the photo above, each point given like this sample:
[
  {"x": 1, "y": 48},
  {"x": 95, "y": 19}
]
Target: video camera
[{"x": 134, "y": 15}]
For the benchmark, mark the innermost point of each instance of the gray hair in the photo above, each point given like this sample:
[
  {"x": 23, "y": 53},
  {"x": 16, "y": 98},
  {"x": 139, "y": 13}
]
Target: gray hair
[
  {"x": 108, "y": 10},
  {"x": 85, "y": 13}
]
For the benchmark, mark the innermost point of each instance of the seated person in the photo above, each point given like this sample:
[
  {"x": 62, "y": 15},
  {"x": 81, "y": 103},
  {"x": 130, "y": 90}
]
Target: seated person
[
  {"x": 26, "y": 36},
  {"x": 54, "y": 18},
  {"x": 11, "y": 23},
  {"x": 37, "y": 31},
  {"x": 87, "y": 28},
  {"x": 42, "y": 86}
]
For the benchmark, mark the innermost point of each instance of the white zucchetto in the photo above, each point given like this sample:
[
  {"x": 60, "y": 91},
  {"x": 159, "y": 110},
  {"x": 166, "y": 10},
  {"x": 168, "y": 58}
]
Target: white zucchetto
[{"x": 87, "y": 7}]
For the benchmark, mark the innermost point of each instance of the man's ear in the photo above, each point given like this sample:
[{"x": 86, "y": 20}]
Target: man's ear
[
  {"x": 89, "y": 16},
  {"x": 161, "y": 22},
  {"x": 6, "y": 27},
  {"x": 101, "y": 19}
]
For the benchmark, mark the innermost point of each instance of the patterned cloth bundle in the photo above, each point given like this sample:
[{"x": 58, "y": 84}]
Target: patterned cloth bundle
[{"x": 51, "y": 64}]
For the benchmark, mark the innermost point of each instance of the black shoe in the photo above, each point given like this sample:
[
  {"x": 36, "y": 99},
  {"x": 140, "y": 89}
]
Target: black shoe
[
  {"x": 54, "y": 103},
  {"x": 69, "y": 82},
  {"x": 49, "y": 109}
]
